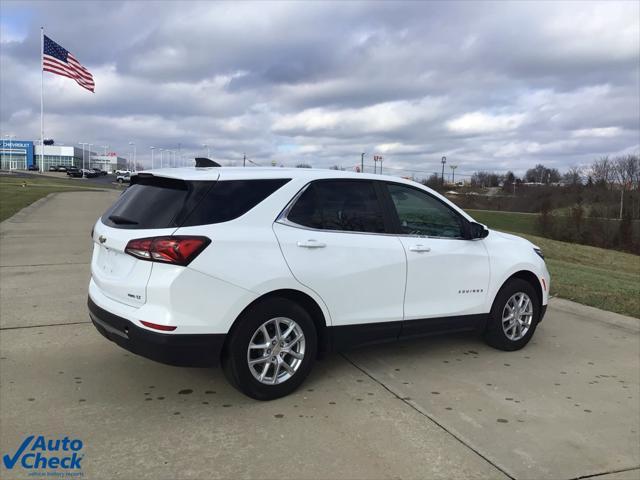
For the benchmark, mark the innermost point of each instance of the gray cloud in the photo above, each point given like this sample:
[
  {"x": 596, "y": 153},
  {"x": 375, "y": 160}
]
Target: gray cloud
[{"x": 492, "y": 85}]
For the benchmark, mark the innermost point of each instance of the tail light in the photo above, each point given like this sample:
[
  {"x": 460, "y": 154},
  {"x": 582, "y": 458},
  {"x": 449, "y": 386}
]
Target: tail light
[{"x": 178, "y": 250}]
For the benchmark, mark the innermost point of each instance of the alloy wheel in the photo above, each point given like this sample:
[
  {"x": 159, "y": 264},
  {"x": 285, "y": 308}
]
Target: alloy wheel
[
  {"x": 276, "y": 351},
  {"x": 517, "y": 316}
]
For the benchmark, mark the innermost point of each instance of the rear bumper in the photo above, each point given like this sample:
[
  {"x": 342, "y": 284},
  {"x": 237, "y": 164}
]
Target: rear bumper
[{"x": 185, "y": 350}]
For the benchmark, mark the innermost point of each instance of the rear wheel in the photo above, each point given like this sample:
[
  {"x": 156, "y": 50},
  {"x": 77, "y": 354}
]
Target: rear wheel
[
  {"x": 514, "y": 316},
  {"x": 271, "y": 350}
]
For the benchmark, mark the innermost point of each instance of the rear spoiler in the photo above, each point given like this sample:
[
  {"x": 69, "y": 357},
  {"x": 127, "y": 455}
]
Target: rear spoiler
[{"x": 203, "y": 162}]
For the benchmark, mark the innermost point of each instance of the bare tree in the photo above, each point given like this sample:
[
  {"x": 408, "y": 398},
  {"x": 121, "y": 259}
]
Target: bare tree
[
  {"x": 626, "y": 170},
  {"x": 573, "y": 176},
  {"x": 602, "y": 171},
  {"x": 542, "y": 174}
]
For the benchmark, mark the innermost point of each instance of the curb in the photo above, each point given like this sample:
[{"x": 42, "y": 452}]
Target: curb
[
  {"x": 595, "y": 314},
  {"x": 15, "y": 218}
]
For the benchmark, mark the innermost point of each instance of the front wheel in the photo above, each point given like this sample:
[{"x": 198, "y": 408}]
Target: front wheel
[
  {"x": 514, "y": 316},
  {"x": 271, "y": 349}
]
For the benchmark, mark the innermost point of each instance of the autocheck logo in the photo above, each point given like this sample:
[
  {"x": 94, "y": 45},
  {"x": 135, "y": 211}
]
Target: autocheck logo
[{"x": 52, "y": 454}]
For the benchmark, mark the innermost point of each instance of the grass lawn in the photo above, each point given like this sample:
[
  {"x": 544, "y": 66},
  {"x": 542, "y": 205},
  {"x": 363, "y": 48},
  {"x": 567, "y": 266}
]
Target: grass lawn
[
  {"x": 601, "y": 278},
  {"x": 507, "y": 221},
  {"x": 14, "y": 197}
]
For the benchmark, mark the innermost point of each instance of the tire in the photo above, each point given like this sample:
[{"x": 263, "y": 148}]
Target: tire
[
  {"x": 120, "y": 181},
  {"x": 236, "y": 355},
  {"x": 508, "y": 335}
]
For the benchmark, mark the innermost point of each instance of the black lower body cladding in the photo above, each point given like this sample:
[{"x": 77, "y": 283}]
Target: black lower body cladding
[{"x": 185, "y": 350}]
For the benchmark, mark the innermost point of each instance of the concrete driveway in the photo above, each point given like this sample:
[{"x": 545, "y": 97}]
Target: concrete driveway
[{"x": 567, "y": 406}]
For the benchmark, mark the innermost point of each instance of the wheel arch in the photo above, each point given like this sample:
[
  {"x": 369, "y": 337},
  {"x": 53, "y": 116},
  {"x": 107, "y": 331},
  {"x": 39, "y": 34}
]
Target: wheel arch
[
  {"x": 302, "y": 299},
  {"x": 529, "y": 277}
]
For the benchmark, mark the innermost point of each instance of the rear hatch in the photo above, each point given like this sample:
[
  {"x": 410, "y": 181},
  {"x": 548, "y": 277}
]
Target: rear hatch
[{"x": 152, "y": 206}]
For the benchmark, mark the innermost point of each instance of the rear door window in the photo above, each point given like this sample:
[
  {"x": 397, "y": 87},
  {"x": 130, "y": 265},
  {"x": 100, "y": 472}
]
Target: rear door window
[
  {"x": 229, "y": 199},
  {"x": 344, "y": 205}
]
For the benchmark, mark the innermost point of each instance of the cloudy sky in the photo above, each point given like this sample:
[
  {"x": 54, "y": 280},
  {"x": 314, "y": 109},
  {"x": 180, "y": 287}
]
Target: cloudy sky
[{"x": 499, "y": 85}]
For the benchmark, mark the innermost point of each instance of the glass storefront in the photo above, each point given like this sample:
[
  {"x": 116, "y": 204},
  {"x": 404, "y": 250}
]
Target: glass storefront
[
  {"x": 13, "y": 159},
  {"x": 55, "y": 160}
]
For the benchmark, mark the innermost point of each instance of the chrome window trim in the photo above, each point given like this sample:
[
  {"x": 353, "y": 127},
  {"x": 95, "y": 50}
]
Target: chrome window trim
[{"x": 283, "y": 219}]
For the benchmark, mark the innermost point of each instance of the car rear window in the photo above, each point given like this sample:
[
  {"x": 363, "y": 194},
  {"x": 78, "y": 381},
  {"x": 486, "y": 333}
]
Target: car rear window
[{"x": 157, "y": 202}]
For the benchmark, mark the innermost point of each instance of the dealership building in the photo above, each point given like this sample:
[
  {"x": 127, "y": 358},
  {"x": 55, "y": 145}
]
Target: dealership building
[{"x": 21, "y": 154}]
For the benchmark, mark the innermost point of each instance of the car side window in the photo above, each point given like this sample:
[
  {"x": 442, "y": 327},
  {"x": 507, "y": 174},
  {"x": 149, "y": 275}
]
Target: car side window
[
  {"x": 421, "y": 214},
  {"x": 350, "y": 206}
]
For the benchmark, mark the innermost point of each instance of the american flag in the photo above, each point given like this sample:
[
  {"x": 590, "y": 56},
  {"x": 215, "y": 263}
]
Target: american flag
[{"x": 56, "y": 59}]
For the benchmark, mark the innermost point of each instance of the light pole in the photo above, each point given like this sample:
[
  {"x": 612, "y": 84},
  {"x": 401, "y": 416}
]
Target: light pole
[
  {"x": 60, "y": 156},
  {"x": 453, "y": 173},
  {"x": 10, "y": 152},
  {"x": 362, "y": 162},
  {"x": 133, "y": 144},
  {"x": 204, "y": 145},
  {"x": 89, "y": 150},
  {"x": 161, "y": 164},
  {"x": 152, "y": 149},
  {"x": 104, "y": 160},
  {"x": 444, "y": 160},
  {"x": 83, "y": 145}
]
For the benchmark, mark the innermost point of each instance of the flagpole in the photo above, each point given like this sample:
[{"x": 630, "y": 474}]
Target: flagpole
[{"x": 41, "y": 99}]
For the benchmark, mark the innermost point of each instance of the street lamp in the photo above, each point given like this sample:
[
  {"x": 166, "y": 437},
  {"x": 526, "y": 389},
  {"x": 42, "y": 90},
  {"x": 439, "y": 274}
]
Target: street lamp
[
  {"x": 161, "y": 164},
  {"x": 152, "y": 149},
  {"x": 10, "y": 151},
  {"x": 89, "y": 150},
  {"x": 362, "y": 162},
  {"x": 453, "y": 173},
  {"x": 83, "y": 145},
  {"x": 133, "y": 144},
  {"x": 444, "y": 160}
]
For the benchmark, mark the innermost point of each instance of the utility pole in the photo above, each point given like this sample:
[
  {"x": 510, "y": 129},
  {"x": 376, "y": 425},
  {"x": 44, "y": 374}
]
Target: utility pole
[
  {"x": 362, "y": 162},
  {"x": 444, "y": 160},
  {"x": 453, "y": 173},
  {"x": 152, "y": 149},
  {"x": 244, "y": 159}
]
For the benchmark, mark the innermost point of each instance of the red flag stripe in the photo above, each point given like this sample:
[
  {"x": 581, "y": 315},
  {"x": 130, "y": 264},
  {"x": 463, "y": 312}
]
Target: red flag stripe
[{"x": 55, "y": 68}]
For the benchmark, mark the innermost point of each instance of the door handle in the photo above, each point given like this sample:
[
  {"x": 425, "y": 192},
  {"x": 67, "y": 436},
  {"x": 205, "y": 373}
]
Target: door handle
[
  {"x": 419, "y": 248},
  {"x": 311, "y": 244}
]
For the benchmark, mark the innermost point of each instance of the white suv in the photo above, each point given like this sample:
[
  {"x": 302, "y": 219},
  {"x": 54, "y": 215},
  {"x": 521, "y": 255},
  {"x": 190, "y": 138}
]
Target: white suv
[{"x": 264, "y": 269}]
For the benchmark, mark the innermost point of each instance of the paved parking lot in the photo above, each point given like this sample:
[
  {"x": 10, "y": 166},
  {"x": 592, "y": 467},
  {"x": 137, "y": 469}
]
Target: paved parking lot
[{"x": 566, "y": 406}]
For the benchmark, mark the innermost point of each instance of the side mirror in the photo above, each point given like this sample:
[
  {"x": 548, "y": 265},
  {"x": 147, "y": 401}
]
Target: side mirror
[{"x": 478, "y": 231}]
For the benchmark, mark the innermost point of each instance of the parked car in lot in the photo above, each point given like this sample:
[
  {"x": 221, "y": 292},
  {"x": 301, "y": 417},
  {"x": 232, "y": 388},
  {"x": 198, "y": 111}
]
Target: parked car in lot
[
  {"x": 89, "y": 172},
  {"x": 53, "y": 168},
  {"x": 33, "y": 168},
  {"x": 74, "y": 172},
  {"x": 62, "y": 168},
  {"x": 262, "y": 269},
  {"x": 123, "y": 177},
  {"x": 99, "y": 171}
]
